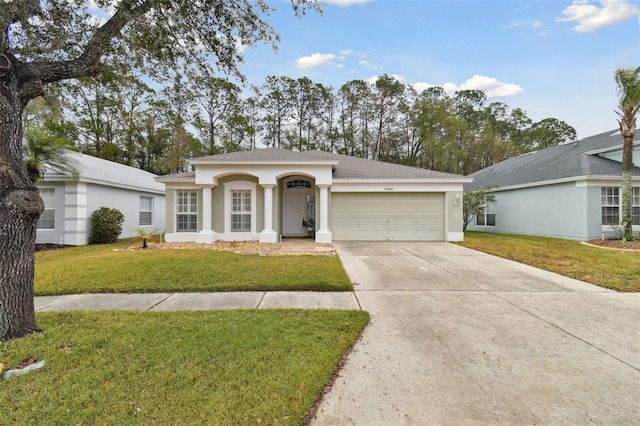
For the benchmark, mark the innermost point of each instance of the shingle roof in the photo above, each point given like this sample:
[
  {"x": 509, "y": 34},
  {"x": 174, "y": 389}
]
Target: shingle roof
[
  {"x": 258, "y": 155},
  {"x": 354, "y": 167},
  {"x": 99, "y": 170},
  {"x": 557, "y": 162},
  {"x": 344, "y": 166}
]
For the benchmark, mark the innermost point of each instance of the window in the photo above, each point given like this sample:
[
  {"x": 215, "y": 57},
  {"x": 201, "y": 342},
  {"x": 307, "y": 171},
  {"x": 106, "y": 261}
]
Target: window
[
  {"x": 612, "y": 206},
  {"x": 48, "y": 217},
  {"x": 299, "y": 183},
  {"x": 241, "y": 210},
  {"x": 146, "y": 211},
  {"x": 187, "y": 217},
  {"x": 635, "y": 208},
  {"x": 488, "y": 217}
]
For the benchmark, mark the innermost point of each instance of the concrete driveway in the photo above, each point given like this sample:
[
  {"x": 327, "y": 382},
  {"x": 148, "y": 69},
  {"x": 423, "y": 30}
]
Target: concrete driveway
[{"x": 461, "y": 337}]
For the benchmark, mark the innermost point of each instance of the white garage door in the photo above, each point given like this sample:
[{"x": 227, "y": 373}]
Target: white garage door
[{"x": 407, "y": 216}]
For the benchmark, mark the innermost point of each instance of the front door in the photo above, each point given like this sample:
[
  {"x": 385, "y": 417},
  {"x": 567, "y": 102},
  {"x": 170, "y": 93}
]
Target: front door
[
  {"x": 298, "y": 209},
  {"x": 295, "y": 214}
]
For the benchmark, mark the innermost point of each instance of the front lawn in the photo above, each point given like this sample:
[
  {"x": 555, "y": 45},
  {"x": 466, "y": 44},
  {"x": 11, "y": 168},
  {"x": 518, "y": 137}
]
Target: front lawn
[
  {"x": 176, "y": 368},
  {"x": 114, "y": 269},
  {"x": 614, "y": 269}
]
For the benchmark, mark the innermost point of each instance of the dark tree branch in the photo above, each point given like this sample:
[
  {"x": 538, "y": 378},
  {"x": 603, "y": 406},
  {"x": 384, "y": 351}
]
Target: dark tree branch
[{"x": 88, "y": 62}]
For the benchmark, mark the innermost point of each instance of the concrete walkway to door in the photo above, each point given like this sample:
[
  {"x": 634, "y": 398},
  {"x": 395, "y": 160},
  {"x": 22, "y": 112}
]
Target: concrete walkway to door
[{"x": 461, "y": 337}]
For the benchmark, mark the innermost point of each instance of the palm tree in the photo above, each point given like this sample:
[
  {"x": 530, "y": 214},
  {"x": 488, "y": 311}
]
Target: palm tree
[
  {"x": 628, "y": 82},
  {"x": 40, "y": 148}
]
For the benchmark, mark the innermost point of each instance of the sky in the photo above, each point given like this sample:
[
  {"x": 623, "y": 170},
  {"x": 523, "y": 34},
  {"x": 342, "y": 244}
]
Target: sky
[{"x": 551, "y": 58}]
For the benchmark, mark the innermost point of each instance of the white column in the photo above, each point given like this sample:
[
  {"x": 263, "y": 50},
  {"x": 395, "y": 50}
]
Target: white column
[
  {"x": 323, "y": 235},
  {"x": 206, "y": 235},
  {"x": 268, "y": 235}
]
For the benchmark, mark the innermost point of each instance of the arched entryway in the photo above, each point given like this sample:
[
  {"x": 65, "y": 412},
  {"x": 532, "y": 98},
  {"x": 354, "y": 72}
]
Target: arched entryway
[{"x": 298, "y": 207}]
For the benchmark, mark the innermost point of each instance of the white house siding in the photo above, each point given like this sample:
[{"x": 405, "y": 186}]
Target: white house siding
[
  {"x": 128, "y": 202},
  {"x": 54, "y": 235},
  {"x": 76, "y": 201},
  {"x": 552, "y": 210}
]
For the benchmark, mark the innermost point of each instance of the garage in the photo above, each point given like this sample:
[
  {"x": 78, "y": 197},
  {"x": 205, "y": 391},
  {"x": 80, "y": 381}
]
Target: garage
[{"x": 402, "y": 216}]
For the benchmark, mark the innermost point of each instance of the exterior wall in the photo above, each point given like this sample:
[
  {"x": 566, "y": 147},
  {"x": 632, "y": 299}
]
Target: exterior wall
[
  {"x": 218, "y": 220},
  {"x": 128, "y": 202},
  {"x": 171, "y": 210},
  {"x": 558, "y": 210},
  {"x": 593, "y": 206},
  {"x": 55, "y": 235},
  {"x": 75, "y": 201},
  {"x": 453, "y": 216},
  {"x": 217, "y": 208}
]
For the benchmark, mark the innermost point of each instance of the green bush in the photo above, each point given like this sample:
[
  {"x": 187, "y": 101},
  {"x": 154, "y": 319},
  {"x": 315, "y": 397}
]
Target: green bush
[{"x": 106, "y": 225}]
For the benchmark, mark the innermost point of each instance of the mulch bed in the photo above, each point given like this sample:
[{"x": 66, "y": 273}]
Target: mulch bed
[{"x": 616, "y": 244}]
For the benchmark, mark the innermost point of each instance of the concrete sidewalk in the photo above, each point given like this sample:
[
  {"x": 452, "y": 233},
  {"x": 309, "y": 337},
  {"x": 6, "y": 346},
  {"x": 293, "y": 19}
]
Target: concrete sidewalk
[{"x": 198, "y": 301}]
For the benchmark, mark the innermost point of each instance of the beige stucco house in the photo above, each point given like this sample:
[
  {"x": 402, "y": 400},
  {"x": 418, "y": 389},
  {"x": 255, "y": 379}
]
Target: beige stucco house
[{"x": 269, "y": 194}]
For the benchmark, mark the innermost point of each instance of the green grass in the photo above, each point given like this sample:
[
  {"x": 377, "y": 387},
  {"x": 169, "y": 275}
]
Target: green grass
[
  {"x": 176, "y": 368},
  {"x": 617, "y": 270},
  {"x": 112, "y": 269}
]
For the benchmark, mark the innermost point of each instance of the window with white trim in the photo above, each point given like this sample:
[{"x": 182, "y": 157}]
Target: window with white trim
[
  {"x": 187, "y": 216},
  {"x": 612, "y": 205},
  {"x": 146, "y": 211},
  {"x": 48, "y": 216},
  {"x": 488, "y": 216},
  {"x": 241, "y": 210},
  {"x": 635, "y": 206}
]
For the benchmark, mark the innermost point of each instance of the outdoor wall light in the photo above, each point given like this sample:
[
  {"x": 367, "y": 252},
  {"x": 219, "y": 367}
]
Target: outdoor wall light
[{"x": 456, "y": 199}]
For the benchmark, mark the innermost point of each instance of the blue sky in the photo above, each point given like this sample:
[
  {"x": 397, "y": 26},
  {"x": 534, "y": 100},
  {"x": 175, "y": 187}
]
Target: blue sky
[{"x": 552, "y": 58}]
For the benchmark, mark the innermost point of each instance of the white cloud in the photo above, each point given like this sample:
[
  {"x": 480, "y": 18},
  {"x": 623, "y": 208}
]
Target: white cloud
[
  {"x": 421, "y": 86},
  {"x": 314, "y": 61},
  {"x": 489, "y": 85},
  {"x": 537, "y": 26},
  {"x": 368, "y": 65},
  {"x": 591, "y": 17},
  {"x": 345, "y": 53}
]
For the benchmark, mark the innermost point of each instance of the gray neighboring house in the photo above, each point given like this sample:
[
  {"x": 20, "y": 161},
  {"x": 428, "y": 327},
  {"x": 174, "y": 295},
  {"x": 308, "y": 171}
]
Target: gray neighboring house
[
  {"x": 570, "y": 191},
  {"x": 69, "y": 202},
  {"x": 267, "y": 194}
]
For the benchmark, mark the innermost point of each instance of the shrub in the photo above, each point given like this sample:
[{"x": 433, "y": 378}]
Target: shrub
[{"x": 106, "y": 225}]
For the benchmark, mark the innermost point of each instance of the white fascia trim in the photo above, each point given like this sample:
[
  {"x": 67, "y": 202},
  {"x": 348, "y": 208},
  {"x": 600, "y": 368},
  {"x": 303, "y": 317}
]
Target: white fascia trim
[
  {"x": 183, "y": 185},
  {"x": 605, "y": 181},
  {"x": 395, "y": 186},
  {"x": 404, "y": 180},
  {"x": 584, "y": 180},
  {"x": 105, "y": 183},
  {"x": 253, "y": 163}
]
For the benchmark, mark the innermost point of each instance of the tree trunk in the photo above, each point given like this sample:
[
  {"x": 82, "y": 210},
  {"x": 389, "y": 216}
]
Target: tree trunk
[
  {"x": 627, "y": 165},
  {"x": 20, "y": 208}
]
